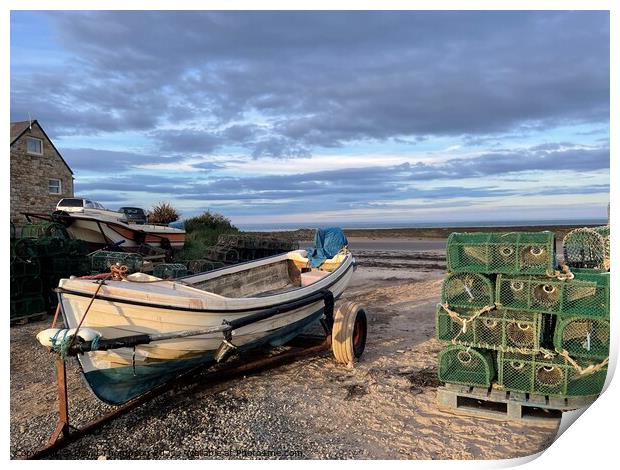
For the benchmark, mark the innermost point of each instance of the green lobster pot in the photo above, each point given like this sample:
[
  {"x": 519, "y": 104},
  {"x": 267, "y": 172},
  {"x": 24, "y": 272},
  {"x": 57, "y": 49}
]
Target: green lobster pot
[
  {"x": 537, "y": 374},
  {"x": 102, "y": 261},
  {"x": 450, "y": 329},
  {"x": 586, "y": 294},
  {"x": 468, "y": 290},
  {"x": 507, "y": 329},
  {"x": 590, "y": 302},
  {"x": 582, "y": 337},
  {"x": 466, "y": 366},
  {"x": 44, "y": 230},
  {"x": 587, "y": 247},
  {"x": 170, "y": 270},
  {"x": 506, "y": 253},
  {"x": 25, "y": 268},
  {"x": 27, "y": 306},
  {"x": 496, "y": 329}
]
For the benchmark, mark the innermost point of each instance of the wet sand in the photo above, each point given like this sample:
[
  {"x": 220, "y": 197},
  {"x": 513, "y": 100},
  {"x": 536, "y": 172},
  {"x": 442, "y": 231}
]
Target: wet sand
[{"x": 383, "y": 408}]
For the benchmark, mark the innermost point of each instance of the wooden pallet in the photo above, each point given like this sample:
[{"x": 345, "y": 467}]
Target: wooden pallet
[
  {"x": 493, "y": 403},
  {"x": 29, "y": 318}
]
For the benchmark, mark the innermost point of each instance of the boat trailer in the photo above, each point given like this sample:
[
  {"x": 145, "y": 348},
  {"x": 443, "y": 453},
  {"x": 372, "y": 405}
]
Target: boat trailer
[{"x": 345, "y": 334}]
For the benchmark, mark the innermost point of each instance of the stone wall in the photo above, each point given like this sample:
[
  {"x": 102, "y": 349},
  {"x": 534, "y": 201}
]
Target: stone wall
[{"x": 30, "y": 174}]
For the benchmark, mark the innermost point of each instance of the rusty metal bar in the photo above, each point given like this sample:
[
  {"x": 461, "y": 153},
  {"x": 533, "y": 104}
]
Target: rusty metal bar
[{"x": 70, "y": 434}]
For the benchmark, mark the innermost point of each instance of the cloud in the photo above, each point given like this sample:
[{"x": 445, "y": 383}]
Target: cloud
[
  {"x": 485, "y": 176},
  {"x": 105, "y": 161},
  {"x": 317, "y": 79}
]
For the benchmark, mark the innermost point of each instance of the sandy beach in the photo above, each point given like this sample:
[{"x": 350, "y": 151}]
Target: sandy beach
[{"x": 383, "y": 408}]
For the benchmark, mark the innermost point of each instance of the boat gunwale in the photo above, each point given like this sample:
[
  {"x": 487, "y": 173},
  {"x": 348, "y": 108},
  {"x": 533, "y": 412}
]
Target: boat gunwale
[{"x": 312, "y": 289}]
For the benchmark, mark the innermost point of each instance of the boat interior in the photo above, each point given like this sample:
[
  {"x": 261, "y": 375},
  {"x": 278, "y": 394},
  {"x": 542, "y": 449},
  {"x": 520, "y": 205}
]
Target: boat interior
[{"x": 268, "y": 279}]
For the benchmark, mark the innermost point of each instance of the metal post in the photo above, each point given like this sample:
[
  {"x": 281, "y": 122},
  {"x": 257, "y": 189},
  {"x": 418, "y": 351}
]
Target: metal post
[{"x": 63, "y": 403}]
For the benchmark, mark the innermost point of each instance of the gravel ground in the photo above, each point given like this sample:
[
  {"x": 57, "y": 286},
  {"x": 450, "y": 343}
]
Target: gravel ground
[{"x": 383, "y": 408}]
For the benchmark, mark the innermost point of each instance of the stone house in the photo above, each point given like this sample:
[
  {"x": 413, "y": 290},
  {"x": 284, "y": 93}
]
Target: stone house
[{"x": 40, "y": 177}]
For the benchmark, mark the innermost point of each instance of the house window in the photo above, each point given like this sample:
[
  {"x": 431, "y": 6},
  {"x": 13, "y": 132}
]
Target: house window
[
  {"x": 54, "y": 186},
  {"x": 34, "y": 146}
]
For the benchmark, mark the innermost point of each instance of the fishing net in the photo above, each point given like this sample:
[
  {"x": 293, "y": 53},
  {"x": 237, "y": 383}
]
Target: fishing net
[
  {"x": 170, "y": 270},
  {"x": 45, "y": 229},
  {"x": 467, "y": 366},
  {"x": 495, "y": 329},
  {"x": 587, "y": 247},
  {"x": 102, "y": 261},
  {"x": 467, "y": 290},
  {"x": 508, "y": 253},
  {"x": 582, "y": 337},
  {"x": 586, "y": 294},
  {"x": 548, "y": 375}
]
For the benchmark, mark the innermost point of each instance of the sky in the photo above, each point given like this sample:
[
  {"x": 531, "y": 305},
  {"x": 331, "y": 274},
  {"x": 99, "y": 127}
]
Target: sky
[{"x": 325, "y": 118}]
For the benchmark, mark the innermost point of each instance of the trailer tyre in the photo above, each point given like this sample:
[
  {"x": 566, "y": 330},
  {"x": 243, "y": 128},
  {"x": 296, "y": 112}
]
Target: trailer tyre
[{"x": 349, "y": 332}]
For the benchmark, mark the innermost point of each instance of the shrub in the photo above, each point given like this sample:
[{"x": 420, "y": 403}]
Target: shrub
[
  {"x": 203, "y": 232},
  {"x": 163, "y": 213},
  {"x": 208, "y": 221}
]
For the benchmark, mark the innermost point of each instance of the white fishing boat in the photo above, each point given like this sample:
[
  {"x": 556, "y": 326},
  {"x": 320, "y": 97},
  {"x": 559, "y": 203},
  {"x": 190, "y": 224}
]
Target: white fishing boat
[
  {"x": 89, "y": 221},
  {"x": 140, "y": 332}
]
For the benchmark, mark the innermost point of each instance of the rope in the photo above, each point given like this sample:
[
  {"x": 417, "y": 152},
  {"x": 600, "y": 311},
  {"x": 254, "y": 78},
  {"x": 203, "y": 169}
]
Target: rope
[
  {"x": 591, "y": 369},
  {"x": 465, "y": 321},
  {"x": 61, "y": 346},
  {"x": 92, "y": 299},
  {"x": 94, "y": 344}
]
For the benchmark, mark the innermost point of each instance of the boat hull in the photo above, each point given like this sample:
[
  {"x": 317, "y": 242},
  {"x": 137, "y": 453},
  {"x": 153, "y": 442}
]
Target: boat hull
[
  {"x": 118, "y": 385},
  {"x": 100, "y": 233},
  {"x": 118, "y": 375}
]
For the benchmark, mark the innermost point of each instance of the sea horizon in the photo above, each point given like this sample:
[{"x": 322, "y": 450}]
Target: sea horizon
[{"x": 287, "y": 227}]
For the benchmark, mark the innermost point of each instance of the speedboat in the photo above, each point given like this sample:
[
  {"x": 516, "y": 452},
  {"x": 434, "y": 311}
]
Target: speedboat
[{"x": 89, "y": 221}]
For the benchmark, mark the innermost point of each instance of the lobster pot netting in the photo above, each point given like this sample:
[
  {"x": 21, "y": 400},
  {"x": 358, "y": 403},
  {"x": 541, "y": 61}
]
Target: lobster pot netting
[
  {"x": 202, "y": 265},
  {"x": 586, "y": 294},
  {"x": 222, "y": 254},
  {"x": 496, "y": 329},
  {"x": 467, "y": 290},
  {"x": 535, "y": 373},
  {"x": 587, "y": 248},
  {"x": 169, "y": 270},
  {"x": 45, "y": 229},
  {"x": 102, "y": 261},
  {"x": 582, "y": 337},
  {"x": 507, "y": 253},
  {"x": 466, "y": 366}
]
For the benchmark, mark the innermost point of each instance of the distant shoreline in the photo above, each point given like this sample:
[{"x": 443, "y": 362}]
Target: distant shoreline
[{"x": 419, "y": 233}]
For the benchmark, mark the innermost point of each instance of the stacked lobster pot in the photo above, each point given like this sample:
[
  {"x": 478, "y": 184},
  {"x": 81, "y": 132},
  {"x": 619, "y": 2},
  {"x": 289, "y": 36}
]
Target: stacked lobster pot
[
  {"x": 513, "y": 321},
  {"x": 42, "y": 256},
  {"x": 239, "y": 248}
]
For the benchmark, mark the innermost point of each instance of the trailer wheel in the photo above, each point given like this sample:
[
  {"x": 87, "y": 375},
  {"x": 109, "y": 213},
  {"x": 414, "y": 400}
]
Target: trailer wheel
[{"x": 349, "y": 332}]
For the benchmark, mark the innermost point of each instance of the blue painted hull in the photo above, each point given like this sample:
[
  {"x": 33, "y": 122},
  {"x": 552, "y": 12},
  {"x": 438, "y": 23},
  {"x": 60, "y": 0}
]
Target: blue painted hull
[{"x": 118, "y": 385}]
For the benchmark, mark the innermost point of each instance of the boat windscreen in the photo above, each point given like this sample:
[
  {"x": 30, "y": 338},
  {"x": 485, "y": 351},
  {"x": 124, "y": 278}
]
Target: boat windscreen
[{"x": 71, "y": 202}]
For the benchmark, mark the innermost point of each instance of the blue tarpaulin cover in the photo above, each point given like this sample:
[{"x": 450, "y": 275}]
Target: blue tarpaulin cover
[{"x": 327, "y": 243}]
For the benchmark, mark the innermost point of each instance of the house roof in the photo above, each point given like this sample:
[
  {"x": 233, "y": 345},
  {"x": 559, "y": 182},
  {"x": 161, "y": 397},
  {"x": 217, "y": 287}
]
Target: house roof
[{"x": 18, "y": 128}]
